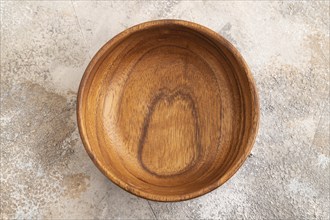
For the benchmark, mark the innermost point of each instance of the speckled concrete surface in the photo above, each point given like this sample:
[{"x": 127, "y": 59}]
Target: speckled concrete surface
[{"x": 45, "y": 172}]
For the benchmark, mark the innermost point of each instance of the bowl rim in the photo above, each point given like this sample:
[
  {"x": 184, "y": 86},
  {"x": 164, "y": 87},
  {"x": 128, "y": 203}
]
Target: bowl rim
[{"x": 208, "y": 33}]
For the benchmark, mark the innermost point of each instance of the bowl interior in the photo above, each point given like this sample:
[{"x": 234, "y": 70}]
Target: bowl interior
[{"x": 168, "y": 110}]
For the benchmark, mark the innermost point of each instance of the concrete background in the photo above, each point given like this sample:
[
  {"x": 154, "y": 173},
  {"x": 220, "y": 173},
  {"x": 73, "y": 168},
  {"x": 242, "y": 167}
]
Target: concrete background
[{"x": 45, "y": 171}]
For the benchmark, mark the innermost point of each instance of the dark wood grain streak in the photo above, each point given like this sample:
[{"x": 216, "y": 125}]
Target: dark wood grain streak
[
  {"x": 169, "y": 96},
  {"x": 168, "y": 110}
]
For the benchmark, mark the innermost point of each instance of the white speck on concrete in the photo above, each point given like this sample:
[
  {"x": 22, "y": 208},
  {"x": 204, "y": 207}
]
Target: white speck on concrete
[
  {"x": 301, "y": 188},
  {"x": 323, "y": 161}
]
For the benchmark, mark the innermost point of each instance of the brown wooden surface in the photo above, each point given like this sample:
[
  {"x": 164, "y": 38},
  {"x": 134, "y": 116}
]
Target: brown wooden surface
[{"x": 168, "y": 110}]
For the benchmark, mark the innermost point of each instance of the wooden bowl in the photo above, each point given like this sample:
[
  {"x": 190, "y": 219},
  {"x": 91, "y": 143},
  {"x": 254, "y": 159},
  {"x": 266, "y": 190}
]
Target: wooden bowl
[{"x": 168, "y": 110}]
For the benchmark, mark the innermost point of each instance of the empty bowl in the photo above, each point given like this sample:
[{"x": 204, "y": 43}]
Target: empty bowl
[{"x": 168, "y": 110}]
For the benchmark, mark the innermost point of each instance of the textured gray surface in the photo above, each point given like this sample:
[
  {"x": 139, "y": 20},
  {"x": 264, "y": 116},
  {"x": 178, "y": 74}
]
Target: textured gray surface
[{"x": 45, "y": 172}]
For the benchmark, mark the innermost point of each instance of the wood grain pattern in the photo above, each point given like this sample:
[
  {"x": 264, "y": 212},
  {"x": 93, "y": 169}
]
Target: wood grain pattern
[{"x": 168, "y": 110}]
